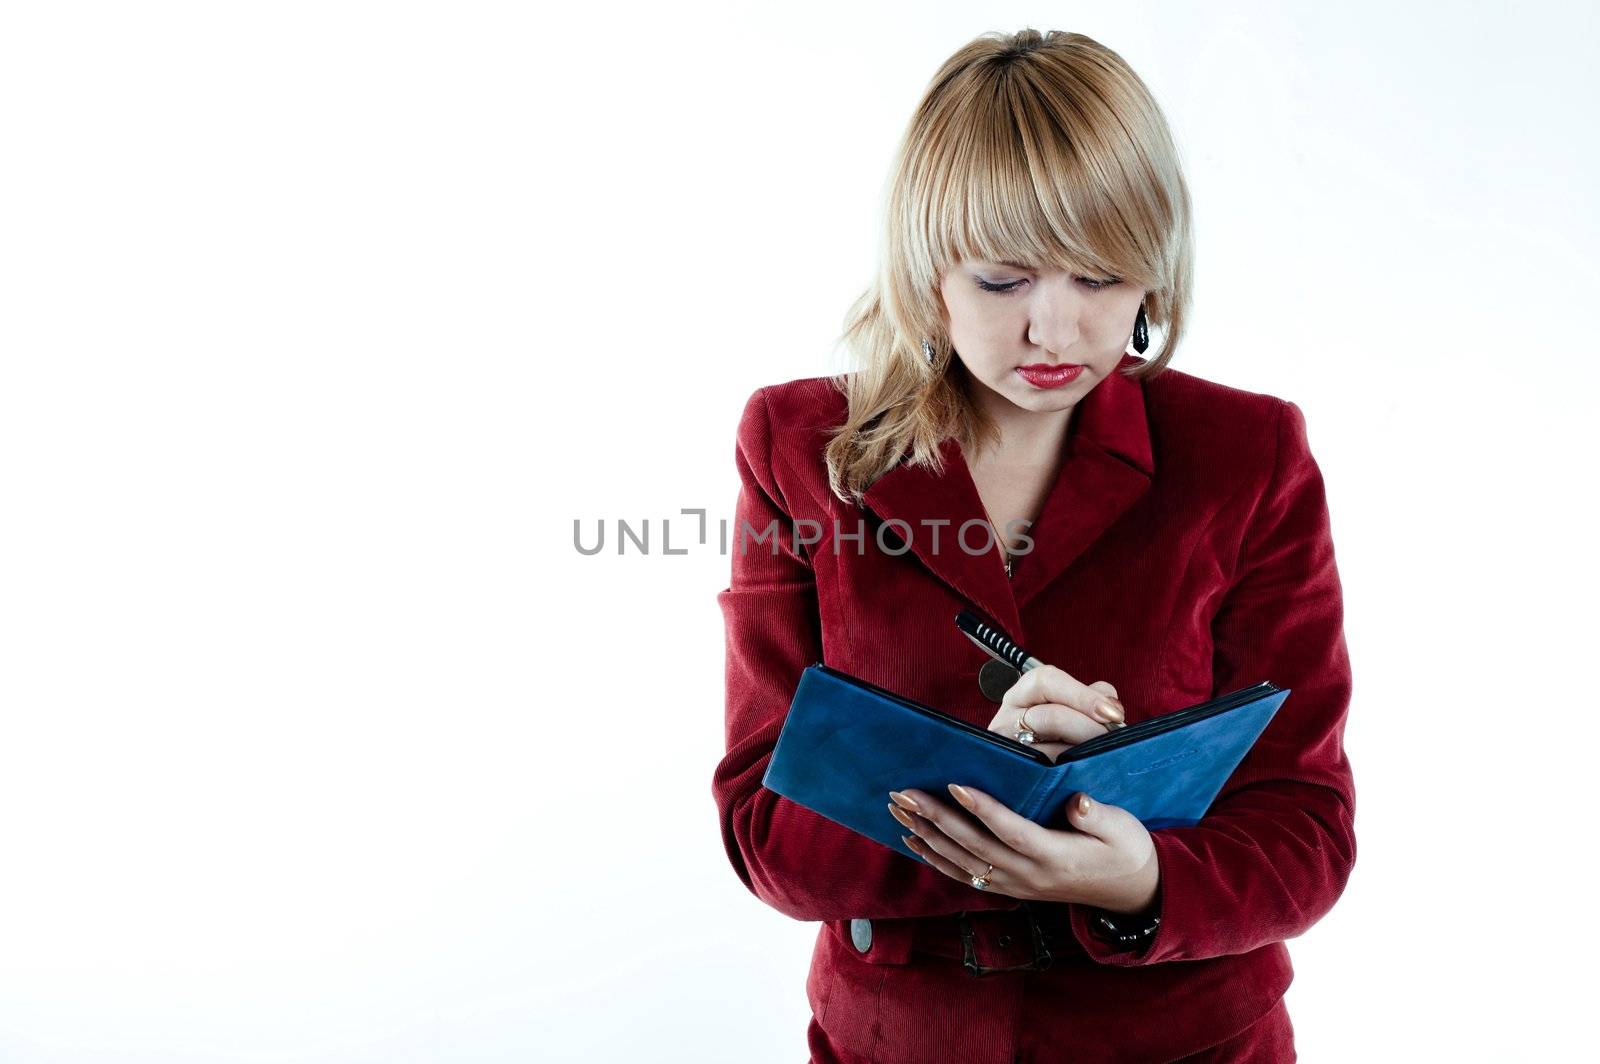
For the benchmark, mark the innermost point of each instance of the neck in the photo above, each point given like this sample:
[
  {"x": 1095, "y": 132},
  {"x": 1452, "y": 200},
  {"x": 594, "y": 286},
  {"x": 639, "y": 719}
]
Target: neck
[{"x": 1027, "y": 437}]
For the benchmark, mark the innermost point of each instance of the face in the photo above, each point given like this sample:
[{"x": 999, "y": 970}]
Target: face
[{"x": 1014, "y": 328}]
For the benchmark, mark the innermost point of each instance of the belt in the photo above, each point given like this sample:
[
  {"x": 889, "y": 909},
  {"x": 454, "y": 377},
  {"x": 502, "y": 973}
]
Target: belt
[{"x": 989, "y": 941}]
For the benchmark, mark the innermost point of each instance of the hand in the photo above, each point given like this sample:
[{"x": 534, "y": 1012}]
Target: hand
[
  {"x": 1105, "y": 858},
  {"x": 1059, "y": 708}
]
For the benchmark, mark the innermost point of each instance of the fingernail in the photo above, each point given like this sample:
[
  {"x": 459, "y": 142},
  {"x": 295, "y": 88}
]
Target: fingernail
[
  {"x": 912, "y": 843},
  {"x": 1083, "y": 805},
  {"x": 904, "y": 802},
  {"x": 962, "y": 796},
  {"x": 1109, "y": 713},
  {"x": 902, "y": 816}
]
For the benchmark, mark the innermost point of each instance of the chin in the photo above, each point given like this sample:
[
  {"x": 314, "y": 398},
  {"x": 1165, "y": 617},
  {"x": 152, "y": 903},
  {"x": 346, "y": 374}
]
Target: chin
[{"x": 1042, "y": 402}]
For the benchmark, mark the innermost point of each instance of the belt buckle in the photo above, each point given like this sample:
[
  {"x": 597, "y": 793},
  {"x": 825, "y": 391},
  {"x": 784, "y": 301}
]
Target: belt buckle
[{"x": 969, "y": 954}]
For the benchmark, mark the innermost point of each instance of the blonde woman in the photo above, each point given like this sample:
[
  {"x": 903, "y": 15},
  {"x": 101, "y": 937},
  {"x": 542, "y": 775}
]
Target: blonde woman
[{"x": 1157, "y": 539}]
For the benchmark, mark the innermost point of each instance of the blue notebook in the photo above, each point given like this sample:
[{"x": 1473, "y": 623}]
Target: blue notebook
[{"x": 847, "y": 743}]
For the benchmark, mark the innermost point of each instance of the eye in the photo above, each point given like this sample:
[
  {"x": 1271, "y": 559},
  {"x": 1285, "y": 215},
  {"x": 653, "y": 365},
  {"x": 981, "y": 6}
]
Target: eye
[
  {"x": 1096, "y": 285},
  {"x": 1007, "y": 287}
]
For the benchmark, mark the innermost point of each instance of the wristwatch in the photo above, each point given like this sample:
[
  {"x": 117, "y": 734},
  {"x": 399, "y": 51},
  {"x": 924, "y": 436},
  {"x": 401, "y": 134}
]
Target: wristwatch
[{"x": 1128, "y": 930}]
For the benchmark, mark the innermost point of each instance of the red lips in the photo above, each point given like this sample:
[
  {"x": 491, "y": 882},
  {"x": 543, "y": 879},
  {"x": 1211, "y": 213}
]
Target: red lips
[{"x": 1045, "y": 375}]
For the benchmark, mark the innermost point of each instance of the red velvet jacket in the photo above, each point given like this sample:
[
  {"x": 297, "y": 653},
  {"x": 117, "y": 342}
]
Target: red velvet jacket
[{"x": 1184, "y": 551}]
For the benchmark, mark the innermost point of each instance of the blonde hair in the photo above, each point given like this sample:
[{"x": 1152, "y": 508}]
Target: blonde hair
[{"x": 1038, "y": 148}]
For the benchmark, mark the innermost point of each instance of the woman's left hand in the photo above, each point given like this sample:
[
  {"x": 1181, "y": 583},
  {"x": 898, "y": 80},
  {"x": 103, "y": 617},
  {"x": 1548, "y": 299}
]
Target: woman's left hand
[{"x": 1106, "y": 858}]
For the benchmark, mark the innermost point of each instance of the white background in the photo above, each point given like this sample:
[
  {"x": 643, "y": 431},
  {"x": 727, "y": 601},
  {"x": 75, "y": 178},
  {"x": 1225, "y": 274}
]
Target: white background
[{"x": 323, "y": 323}]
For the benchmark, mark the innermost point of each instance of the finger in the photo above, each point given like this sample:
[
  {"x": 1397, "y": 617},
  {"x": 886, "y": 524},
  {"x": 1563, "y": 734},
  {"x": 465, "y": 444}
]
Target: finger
[
  {"x": 928, "y": 824},
  {"x": 1053, "y": 750},
  {"x": 1008, "y": 722},
  {"x": 992, "y": 831},
  {"x": 965, "y": 841},
  {"x": 942, "y": 863},
  {"x": 1108, "y": 823},
  {"x": 1050, "y": 721},
  {"x": 1047, "y": 683},
  {"x": 1050, "y": 684}
]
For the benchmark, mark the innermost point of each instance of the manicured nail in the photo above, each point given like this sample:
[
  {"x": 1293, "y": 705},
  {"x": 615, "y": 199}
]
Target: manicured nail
[
  {"x": 905, "y": 802},
  {"x": 1083, "y": 805},
  {"x": 962, "y": 796},
  {"x": 912, "y": 843},
  {"x": 902, "y": 816},
  {"x": 1109, "y": 713}
]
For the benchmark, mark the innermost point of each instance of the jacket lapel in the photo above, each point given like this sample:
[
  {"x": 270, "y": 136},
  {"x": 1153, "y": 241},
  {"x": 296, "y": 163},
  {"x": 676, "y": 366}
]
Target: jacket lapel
[
  {"x": 933, "y": 507},
  {"x": 1108, "y": 465}
]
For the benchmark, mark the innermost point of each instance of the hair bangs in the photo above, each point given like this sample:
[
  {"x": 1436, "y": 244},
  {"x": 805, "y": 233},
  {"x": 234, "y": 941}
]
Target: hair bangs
[{"x": 1029, "y": 188}]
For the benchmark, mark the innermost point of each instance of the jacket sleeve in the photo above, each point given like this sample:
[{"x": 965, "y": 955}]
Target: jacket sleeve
[
  {"x": 795, "y": 860},
  {"x": 1275, "y": 850}
]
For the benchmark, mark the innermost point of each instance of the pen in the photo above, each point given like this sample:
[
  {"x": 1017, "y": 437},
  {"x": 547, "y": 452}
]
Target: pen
[{"x": 998, "y": 645}]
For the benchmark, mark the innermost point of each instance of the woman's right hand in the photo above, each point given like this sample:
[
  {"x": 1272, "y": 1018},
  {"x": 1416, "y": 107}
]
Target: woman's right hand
[{"x": 1062, "y": 711}]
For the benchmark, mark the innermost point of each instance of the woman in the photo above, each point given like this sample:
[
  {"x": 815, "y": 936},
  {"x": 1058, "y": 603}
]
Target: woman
[{"x": 1162, "y": 536}]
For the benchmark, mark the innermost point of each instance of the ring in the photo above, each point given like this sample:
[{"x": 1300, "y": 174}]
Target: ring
[
  {"x": 1024, "y": 733},
  {"x": 982, "y": 882}
]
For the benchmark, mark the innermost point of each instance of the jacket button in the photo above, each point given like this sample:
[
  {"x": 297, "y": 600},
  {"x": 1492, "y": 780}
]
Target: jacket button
[
  {"x": 861, "y": 934},
  {"x": 1005, "y": 940}
]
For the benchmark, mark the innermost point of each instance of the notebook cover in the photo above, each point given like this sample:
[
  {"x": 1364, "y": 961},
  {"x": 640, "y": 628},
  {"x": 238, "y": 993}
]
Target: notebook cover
[{"x": 846, "y": 743}]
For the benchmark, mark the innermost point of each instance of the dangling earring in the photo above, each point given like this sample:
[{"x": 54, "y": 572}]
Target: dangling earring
[
  {"x": 1141, "y": 331},
  {"x": 927, "y": 349}
]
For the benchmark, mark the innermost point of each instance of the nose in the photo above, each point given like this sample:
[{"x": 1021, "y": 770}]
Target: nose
[{"x": 1054, "y": 312}]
